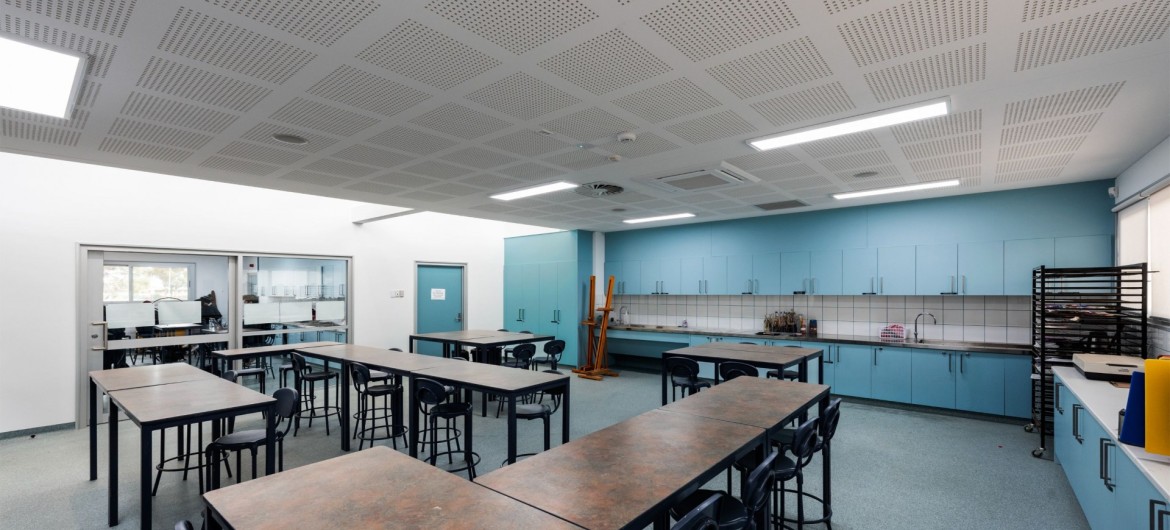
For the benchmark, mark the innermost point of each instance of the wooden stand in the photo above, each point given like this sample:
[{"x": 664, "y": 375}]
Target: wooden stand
[{"x": 596, "y": 366}]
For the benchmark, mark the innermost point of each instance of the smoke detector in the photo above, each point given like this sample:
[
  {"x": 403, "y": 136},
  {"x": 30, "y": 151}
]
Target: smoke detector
[
  {"x": 599, "y": 189},
  {"x": 627, "y": 137}
]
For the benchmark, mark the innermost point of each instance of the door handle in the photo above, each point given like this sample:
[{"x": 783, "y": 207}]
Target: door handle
[
  {"x": 1056, "y": 397},
  {"x": 828, "y": 356},
  {"x": 459, "y": 317},
  {"x": 962, "y": 365},
  {"x": 950, "y": 361},
  {"x": 882, "y": 284},
  {"x": 1076, "y": 424},
  {"x": 812, "y": 285},
  {"x": 706, "y": 289},
  {"x": 875, "y": 350},
  {"x": 1158, "y": 514},
  {"x": 105, "y": 336},
  {"x": 964, "y": 284},
  {"x": 757, "y": 291},
  {"x": 1105, "y": 444}
]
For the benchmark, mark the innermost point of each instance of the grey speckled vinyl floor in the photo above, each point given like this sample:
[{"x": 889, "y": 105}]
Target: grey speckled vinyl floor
[{"x": 892, "y": 467}]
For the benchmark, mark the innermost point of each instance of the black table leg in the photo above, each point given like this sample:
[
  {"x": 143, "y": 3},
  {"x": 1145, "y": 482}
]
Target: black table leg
[
  {"x": 413, "y": 401},
  {"x": 145, "y": 475},
  {"x": 343, "y": 396},
  {"x": 802, "y": 370},
  {"x": 821, "y": 368},
  {"x": 468, "y": 454},
  {"x": 270, "y": 447},
  {"x": 396, "y": 423},
  {"x": 826, "y": 468},
  {"x": 565, "y": 414},
  {"x": 664, "y": 376},
  {"x": 112, "y": 427},
  {"x": 93, "y": 465},
  {"x": 511, "y": 428}
]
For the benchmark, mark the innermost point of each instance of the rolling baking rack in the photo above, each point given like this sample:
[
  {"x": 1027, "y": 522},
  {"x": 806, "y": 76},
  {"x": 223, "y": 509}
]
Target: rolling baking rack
[{"x": 1081, "y": 310}]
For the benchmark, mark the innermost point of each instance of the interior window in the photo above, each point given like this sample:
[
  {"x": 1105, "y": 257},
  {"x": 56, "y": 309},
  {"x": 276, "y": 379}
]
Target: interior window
[{"x": 137, "y": 282}]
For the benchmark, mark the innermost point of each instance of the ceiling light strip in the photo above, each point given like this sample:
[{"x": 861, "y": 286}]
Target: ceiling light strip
[
  {"x": 658, "y": 218},
  {"x": 898, "y": 189},
  {"x": 535, "y": 190},
  {"x": 885, "y": 118}
]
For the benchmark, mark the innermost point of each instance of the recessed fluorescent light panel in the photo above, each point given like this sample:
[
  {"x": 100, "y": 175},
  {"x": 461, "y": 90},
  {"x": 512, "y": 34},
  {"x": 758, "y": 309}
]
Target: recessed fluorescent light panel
[
  {"x": 535, "y": 190},
  {"x": 885, "y": 118},
  {"x": 899, "y": 189},
  {"x": 659, "y": 218},
  {"x": 38, "y": 79}
]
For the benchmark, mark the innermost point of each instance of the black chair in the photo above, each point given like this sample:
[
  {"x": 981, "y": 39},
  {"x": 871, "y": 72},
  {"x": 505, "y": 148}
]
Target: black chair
[
  {"x": 729, "y": 370},
  {"x": 789, "y": 374},
  {"x": 521, "y": 358},
  {"x": 369, "y": 414},
  {"x": 827, "y": 429},
  {"x": 731, "y": 513},
  {"x": 541, "y": 411},
  {"x": 802, "y": 447},
  {"x": 184, "y": 525},
  {"x": 552, "y": 355},
  {"x": 684, "y": 373},
  {"x": 509, "y": 349},
  {"x": 434, "y": 397},
  {"x": 305, "y": 380},
  {"x": 700, "y": 518},
  {"x": 257, "y": 371},
  {"x": 286, "y": 408}
]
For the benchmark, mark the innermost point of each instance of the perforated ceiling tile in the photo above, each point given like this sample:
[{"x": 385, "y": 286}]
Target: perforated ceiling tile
[
  {"x": 530, "y": 171},
  {"x": 233, "y": 165},
  {"x": 322, "y": 117},
  {"x": 489, "y": 181},
  {"x": 588, "y": 125},
  {"x": 1119, "y": 27},
  {"x": 810, "y": 104},
  {"x": 929, "y": 129},
  {"x": 149, "y": 132},
  {"x": 712, "y": 127},
  {"x": 426, "y": 196},
  {"x": 143, "y": 150},
  {"x": 1043, "y": 130},
  {"x": 456, "y": 189},
  {"x": 804, "y": 183},
  {"x": 460, "y": 121},
  {"x": 1038, "y": 149},
  {"x": 1028, "y": 176},
  {"x": 88, "y": 93},
  {"x": 435, "y": 169},
  {"x": 367, "y": 91},
  {"x": 517, "y": 25},
  {"x": 911, "y": 27},
  {"x": 646, "y": 145},
  {"x": 837, "y": 6},
  {"x": 263, "y": 133},
  {"x": 1030, "y": 164},
  {"x": 411, "y": 141},
  {"x": 260, "y": 153},
  {"x": 337, "y": 167},
  {"x": 854, "y": 161},
  {"x": 316, "y": 179},
  {"x": 101, "y": 54},
  {"x": 1071, "y": 102},
  {"x": 787, "y": 65},
  {"x": 427, "y": 56},
  {"x": 947, "y": 162},
  {"x": 785, "y": 173},
  {"x": 76, "y": 121},
  {"x": 374, "y": 187},
  {"x": 627, "y": 197},
  {"x": 1034, "y": 9},
  {"x": 605, "y": 63},
  {"x": 943, "y": 146},
  {"x": 577, "y": 160},
  {"x": 319, "y": 21},
  {"x": 761, "y": 159},
  {"x": 968, "y": 172},
  {"x": 372, "y": 156},
  {"x": 527, "y": 143},
  {"x": 873, "y": 182},
  {"x": 742, "y": 192},
  {"x": 210, "y": 40},
  {"x": 667, "y": 101},
  {"x": 705, "y": 28},
  {"x": 171, "y": 112},
  {"x": 496, "y": 207},
  {"x": 850, "y": 143},
  {"x": 478, "y": 158},
  {"x": 186, "y": 82},
  {"x": 929, "y": 74},
  {"x": 105, "y": 16},
  {"x": 405, "y": 180},
  {"x": 523, "y": 96}
]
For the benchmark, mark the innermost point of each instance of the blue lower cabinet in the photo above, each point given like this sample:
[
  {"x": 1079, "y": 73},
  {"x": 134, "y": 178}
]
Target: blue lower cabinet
[
  {"x": 979, "y": 383},
  {"x": 891, "y": 374},
  {"x": 852, "y": 370},
  {"x": 1064, "y": 444},
  {"x": 932, "y": 376},
  {"x": 1017, "y": 386},
  {"x": 830, "y": 353},
  {"x": 1139, "y": 503}
]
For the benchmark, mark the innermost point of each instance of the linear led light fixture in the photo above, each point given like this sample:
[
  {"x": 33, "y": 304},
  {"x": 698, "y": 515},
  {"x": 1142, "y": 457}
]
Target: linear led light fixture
[
  {"x": 885, "y": 118},
  {"x": 659, "y": 218},
  {"x": 898, "y": 189},
  {"x": 40, "y": 80},
  {"x": 535, "y": 190}
]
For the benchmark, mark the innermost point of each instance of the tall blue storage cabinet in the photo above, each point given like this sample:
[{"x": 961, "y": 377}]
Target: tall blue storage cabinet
[{"x": 546, "y": 284}]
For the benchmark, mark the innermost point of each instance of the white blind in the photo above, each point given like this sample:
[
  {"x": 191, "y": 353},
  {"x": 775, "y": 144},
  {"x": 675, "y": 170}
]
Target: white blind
[
  {"x": 1159, "y": 253},
  {"x": 1132, "y": 234}
]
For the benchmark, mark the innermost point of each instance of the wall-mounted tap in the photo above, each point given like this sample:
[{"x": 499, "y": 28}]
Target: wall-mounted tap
[
  {"x": 920, "y": 315},
  {"x": 622, "y": 313}
]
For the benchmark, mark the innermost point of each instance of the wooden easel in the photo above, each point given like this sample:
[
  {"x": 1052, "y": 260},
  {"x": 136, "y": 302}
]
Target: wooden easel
[{"x": 596, "y": 365}]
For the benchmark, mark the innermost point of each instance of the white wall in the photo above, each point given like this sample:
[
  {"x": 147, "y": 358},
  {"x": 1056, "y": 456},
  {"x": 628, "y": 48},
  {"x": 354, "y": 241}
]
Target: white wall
[{"x": 49, "y": 207}]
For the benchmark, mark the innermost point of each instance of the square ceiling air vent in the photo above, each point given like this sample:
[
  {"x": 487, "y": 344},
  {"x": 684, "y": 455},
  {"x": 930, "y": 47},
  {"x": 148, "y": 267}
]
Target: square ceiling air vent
[
  {"x": 721, "y": 176},
  {"x": 782, "y": 205}
]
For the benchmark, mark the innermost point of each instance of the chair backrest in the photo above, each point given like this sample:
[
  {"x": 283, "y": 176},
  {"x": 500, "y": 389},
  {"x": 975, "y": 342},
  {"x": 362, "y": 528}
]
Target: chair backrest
[
  {"x": 554, "y": 349},
  {"x": 830, "y": 420},
  {"x": 230, "y": 375},
  {"x": 288, "y": 401},
  {"x": 556, "y": 392},
  {"x": 729, "y": 370},
  {"x": 756, "y": 491},
  {"x": 429, "y": 391},
  {"x": 682, "y": 367},
  {"x": 298, "y": 362},
  {"x": 360, "y": 374},
  {"x": 804, "y": 442},
  {"x": 700, "y": 517},
  {"x": 524, "y": 352}
]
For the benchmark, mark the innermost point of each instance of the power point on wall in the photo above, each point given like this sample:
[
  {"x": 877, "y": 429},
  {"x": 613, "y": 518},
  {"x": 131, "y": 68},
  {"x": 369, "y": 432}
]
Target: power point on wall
[{"x": 398, "y": 294}]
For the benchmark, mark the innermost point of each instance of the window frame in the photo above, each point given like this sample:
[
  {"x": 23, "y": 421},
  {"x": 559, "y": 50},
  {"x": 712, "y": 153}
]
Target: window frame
[{"x": 160, "y": 264}]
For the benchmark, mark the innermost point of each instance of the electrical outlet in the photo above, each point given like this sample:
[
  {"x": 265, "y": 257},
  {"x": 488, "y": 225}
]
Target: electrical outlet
[{"x": 399, "y": 293}]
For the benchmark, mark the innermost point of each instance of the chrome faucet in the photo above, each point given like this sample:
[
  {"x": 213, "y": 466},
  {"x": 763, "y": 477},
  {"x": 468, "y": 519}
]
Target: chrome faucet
[
  {"x": 920, "y": 315},
  {"x": 622, "y": 312}
]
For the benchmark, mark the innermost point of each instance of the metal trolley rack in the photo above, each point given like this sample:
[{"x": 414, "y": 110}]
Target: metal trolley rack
[{"x": 1081, "y": 310}]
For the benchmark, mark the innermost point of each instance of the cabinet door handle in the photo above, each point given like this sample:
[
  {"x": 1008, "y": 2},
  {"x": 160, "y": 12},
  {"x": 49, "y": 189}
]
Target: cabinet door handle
[
  {"x": 812, "y": 286},
  {"x": 1158, "y": 514},
  {"x": 1056, "y": 397},
  {"x": 875, "y": 350},
  {"x": 882, "y": 284},
  {"x": 950, "y": 362},
  {"x": 1076, "y": 424},
  {"x": 706, "y": 288},
  {"x": 519, "y": 315},
  {"x": 964, "y": 284},
  {"x": 962, "y": 365},
  {"x": 1105, "y": 444}
]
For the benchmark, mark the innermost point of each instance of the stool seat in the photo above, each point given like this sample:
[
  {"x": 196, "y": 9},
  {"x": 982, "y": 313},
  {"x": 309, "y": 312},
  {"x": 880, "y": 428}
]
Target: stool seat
[
  {"x": 317, "y": 376},
  {"x": 243, "y": 437},
  {"x": 371, "y": 417},
  {"x": 728, "y": 511},
  {"x": 789, "y": 374},
  {"x": 530, "y": 411},
  {"x": 451, "y": 410}
]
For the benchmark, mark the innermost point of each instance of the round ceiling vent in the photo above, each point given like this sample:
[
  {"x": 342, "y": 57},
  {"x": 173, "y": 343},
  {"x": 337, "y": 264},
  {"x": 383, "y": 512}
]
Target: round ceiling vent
[{"x": 599, "y": 189}]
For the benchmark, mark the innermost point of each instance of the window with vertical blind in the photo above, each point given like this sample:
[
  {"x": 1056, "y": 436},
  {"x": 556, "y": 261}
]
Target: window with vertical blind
[{"x": 1158, "y": 252}]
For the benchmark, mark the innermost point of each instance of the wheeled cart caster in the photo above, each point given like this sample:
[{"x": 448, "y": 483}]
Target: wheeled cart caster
[
  {"x": 1038, "y": 453},
  {"x": 1031, "y": 427}
]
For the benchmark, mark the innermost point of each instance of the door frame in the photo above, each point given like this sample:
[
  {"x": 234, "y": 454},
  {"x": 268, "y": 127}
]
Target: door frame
[{"x": 418, "y": 292}]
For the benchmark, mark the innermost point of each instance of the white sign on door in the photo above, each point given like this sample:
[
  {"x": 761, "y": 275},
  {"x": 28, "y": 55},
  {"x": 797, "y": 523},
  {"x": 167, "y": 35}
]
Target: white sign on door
[{"x": 438, "y": 294}]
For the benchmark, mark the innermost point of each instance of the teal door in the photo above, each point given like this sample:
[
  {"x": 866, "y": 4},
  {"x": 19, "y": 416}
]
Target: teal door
[{"x": 439, "y": 303}]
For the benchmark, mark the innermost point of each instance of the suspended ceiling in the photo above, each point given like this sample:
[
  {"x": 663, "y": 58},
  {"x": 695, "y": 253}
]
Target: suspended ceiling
[{"x": 436, "y": 105}]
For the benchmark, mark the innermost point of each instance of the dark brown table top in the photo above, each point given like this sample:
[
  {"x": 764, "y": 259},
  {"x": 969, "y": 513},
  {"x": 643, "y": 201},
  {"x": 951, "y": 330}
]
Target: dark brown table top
[
  {"x": 765, "y": 403},
  {"x": 185, "y": 399},
  {"x": 378, "y": 357},
  {"x": 775, "y": 356},
  {"x": 375, "y": 488},
  {"x": 626, "y": 473},
  {"x": 276, "y": 348},
  {"x": 456, "y": 335},
  {"x": 759, "y": 348},
  {"x": 490, "y": 376},
  {"x": 151, "y": 375}
]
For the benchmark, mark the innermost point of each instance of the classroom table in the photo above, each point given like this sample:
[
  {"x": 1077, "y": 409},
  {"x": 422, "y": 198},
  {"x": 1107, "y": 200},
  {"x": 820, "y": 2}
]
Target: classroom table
[
  {"x": 626, "y": 475},
  {"x": 507, "y": 383},
  {"x": 482, "y": 340},
  {"x": 176, "y": 404},
  {"x": 766, "y": 357},
  {"x": 226, "y": 357},
  {"x": 375, "y": 488}
]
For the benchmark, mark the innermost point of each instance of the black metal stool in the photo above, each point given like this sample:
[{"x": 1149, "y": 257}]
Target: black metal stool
[
  {"x": 370, "y": 417},
  {"x": 826, "y": 430},
  {"x": 305, "y": 380},
  {"x": 433, "y": 395},
  {"x": 541, "y": 411}
]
